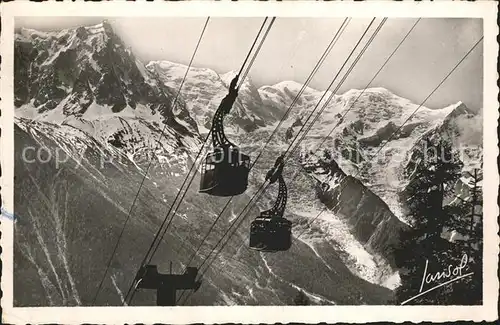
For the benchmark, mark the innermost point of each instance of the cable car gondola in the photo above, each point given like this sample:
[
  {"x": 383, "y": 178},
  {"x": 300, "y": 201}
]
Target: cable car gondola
[
  {"x": 270, "y": 231},
  {"x": 225, "y": 170}
]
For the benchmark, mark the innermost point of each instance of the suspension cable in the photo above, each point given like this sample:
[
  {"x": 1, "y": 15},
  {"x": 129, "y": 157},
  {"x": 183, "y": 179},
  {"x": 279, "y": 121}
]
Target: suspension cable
[
  {"x": 155, "y": 244},
  {"x": 147, "y": 170},
  {"x": 257, "y": 51},
  {"x": 313, "y": 72},
  {"x": 340, "y": 84},
  {"x": 370, "y": 82},
  {"x": 260, "y": 191},
  {"x": 362, "y": 92},
  {"x": 329, "y": 86},
  {"x": 240, "y": 80},
  {"x": 244, "y": 215}
]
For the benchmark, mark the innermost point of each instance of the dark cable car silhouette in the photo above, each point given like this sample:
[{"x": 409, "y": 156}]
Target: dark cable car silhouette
[
  {"x": 270, "y": 231},
  {"x": 166, "y": 285},
  {"x": 225, "y": 170}
]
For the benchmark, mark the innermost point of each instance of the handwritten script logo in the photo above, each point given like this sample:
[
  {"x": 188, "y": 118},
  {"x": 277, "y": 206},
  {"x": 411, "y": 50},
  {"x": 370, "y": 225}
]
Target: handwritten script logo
[{"x": 452, "y": 272}]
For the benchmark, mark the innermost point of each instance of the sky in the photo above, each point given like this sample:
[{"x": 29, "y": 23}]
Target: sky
[{"x": 294, "y": 46}]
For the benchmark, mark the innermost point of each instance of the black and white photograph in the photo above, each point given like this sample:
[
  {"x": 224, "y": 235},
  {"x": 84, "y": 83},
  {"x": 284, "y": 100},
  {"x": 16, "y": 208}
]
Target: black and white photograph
[{"x": 267, "y": 160}]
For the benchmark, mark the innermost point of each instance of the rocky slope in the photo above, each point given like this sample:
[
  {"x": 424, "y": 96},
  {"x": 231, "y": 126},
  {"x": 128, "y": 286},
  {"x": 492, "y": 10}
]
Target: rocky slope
[
  {"x": 87, "y": 78},
  {"x": 358, "y": 128},
  {"x": 204, "y": 90},
  {"x": 83, "y": 96},
  {"x": 63, "y": 241}
]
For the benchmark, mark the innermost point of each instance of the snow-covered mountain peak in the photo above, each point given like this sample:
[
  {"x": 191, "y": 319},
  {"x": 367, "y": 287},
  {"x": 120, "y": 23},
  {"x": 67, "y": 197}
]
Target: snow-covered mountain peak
[
  {"x": 94, "y": 36},
  {"x": 204, "y": 90},
  {"x": 244, "y": 84},
  {"x": 291, "y": 86},
  {"x": 372, "y": 133},
  {"x": 92, "y": 84},
  {"x": 176, "y": 71},
  {"x": 28, "y": 33},
  {"x": 229, "y": 75}
]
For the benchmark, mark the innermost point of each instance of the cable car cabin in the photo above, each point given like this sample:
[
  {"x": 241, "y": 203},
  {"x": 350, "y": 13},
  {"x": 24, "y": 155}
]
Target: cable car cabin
[
  {"x": 270, "y": 234},
  {"x": 225, "y": 172},
  {"x": 166, "y": 285}
]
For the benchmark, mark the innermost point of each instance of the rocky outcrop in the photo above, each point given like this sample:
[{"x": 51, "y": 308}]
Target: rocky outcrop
[{"x": 371, "y": 220}]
